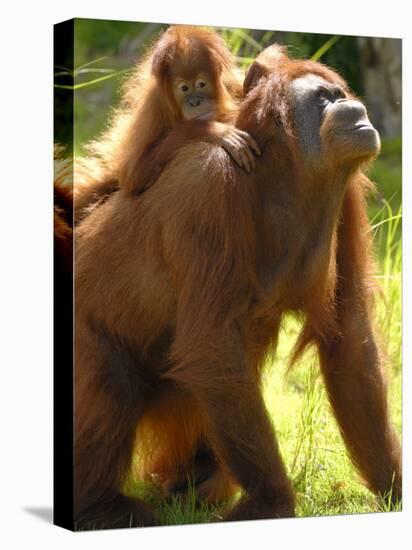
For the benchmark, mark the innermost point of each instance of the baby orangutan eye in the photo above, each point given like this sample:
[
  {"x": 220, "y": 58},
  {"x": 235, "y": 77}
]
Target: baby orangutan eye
[
  {"x": 183, "y": 87},
  {"x": 200, "y": 84}
]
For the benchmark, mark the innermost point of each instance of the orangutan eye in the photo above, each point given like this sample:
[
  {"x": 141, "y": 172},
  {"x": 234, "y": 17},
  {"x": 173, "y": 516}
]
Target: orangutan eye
[
  {"x": 324, "y": 97},
  {"x": 323, "y": 93},
  {"x": 339, "y": 93},
  {"x": 183, "y": 87},
  {"x": 200, "y": 84}
]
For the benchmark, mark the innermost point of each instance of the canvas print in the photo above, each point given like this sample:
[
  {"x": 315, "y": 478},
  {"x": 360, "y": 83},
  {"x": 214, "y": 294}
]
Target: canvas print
[{"x": 227, "y": 274}]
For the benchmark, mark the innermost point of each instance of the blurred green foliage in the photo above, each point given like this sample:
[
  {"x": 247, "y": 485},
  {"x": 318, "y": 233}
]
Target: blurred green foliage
[
  {"x": 386, "y": 172},
  {"x": 100, "y": 37}
]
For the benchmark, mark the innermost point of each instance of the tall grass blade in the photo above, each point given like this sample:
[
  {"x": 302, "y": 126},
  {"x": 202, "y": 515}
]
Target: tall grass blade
[{"x": 326, "y": 46}]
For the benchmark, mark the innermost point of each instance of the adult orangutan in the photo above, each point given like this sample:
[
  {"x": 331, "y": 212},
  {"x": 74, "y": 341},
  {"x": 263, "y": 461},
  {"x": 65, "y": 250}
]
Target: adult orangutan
[{"x": 180, "y": 292}]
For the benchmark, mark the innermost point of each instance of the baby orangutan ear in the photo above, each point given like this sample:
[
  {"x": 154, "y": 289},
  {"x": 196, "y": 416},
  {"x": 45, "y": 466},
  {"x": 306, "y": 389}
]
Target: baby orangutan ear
[
  {"x": 160, "y": 63},
  {"x": 162, "y": 55}
]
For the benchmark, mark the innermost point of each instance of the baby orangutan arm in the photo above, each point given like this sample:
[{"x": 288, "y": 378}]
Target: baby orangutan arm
[{"x": 239, "y": 145}]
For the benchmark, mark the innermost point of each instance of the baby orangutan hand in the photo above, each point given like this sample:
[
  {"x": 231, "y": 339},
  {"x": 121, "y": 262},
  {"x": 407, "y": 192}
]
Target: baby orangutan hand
[{"x": 239, "y": 145}]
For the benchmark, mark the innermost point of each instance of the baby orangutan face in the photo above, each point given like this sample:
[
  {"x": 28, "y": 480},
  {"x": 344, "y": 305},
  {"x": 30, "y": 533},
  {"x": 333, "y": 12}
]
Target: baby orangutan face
[{"x": 195, "y": 97}]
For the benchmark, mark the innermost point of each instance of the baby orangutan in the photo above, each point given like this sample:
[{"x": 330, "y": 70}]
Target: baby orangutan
[
  {"x": 190, "y": 80},
  {"x": 187, "y": 78}
]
